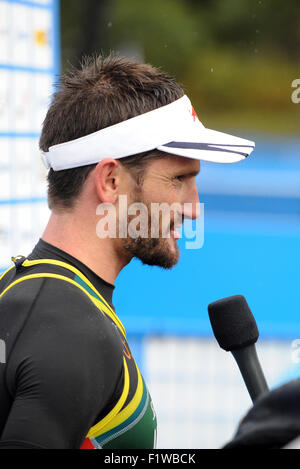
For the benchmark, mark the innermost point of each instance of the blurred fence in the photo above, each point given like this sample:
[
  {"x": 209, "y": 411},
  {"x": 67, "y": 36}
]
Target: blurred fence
[{"x": 29, "y": 61}]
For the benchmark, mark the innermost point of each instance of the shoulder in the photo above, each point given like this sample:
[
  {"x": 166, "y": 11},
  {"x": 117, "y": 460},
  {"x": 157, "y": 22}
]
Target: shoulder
[
  {"x": 59, "y": 310},
  {"x": 51, "y": 293}
]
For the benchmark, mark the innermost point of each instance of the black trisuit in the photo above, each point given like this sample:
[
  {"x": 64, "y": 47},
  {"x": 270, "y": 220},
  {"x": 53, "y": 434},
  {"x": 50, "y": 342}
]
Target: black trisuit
[{"x": 69, "y": 379}]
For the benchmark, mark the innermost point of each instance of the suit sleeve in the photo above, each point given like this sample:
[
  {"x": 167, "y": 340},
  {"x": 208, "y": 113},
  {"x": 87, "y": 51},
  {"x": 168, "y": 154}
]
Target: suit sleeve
[
  {"x": 273, "y": 421},
  {"x": 63, "y": 371}
]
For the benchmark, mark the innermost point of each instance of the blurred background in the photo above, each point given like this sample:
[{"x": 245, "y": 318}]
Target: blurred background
[{"x": 239, "y": 62}]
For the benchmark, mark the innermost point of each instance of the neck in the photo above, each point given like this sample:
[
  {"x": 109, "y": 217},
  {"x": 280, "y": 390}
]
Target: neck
[{"x": 75, "y": 234}]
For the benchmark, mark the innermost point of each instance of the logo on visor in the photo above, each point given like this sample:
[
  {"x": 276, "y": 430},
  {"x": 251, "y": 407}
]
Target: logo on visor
[{"x": 194, "y": 115}]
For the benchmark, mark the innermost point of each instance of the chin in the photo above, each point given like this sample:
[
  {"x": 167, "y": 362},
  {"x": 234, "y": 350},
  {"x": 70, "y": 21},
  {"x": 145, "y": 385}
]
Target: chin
[
  {"x": 152, "y": 251},
  {"x": 161, "y": 255},
  {"x": 163, "y": 261}
]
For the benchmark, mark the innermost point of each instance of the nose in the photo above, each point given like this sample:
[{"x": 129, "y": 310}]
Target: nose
[{"x": 191, "y": 206}]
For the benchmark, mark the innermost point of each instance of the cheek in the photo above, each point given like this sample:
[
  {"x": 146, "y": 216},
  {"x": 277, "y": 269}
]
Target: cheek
[{"x": 161, "y": 193}]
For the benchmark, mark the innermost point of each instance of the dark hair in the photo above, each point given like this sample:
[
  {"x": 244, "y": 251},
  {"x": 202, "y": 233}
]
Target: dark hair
[{"x": 103, "y": 92}]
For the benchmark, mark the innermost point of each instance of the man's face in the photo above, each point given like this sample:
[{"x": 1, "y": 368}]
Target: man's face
[{"x": 171, "y": 181}]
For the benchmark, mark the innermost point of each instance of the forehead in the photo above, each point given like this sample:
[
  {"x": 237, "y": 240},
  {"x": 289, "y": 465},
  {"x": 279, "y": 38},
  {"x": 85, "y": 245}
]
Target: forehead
[{"x": 173, "y": 163}]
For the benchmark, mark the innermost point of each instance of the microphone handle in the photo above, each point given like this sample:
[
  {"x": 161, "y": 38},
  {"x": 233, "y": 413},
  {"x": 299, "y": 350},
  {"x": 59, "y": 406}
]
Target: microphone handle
[{"x": 251, "y": 371}]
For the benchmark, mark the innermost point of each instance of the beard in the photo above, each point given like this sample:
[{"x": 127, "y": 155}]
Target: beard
[
  {"x": 161, "y": 251},
  {"x": 152, "y": 251}
]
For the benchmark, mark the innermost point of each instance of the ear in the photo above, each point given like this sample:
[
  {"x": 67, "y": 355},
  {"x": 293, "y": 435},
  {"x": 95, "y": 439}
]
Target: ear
[{"x": 107, "y": 180}]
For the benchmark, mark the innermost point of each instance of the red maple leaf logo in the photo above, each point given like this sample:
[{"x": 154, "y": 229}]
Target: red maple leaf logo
[{"x": 194, "y": 115}]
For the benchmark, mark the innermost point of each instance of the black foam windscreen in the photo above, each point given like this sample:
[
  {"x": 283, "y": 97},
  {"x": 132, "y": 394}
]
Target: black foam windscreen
[{"x": 233, "y": 323}]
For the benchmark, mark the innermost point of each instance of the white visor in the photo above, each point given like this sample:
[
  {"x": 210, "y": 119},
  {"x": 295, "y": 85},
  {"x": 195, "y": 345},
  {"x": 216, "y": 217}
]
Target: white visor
[{"x": 174, "y": 128}]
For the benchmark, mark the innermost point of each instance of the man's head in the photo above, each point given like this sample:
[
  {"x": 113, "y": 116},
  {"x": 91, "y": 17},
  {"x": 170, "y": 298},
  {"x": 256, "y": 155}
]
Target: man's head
[
  {"x": 100, "y": 120},
  {"x": 104, "y": 92}
]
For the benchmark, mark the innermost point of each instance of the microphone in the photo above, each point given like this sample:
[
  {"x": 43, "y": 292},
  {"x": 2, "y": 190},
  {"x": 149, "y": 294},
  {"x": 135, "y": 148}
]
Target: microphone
[{"x": 236, "y": 331}]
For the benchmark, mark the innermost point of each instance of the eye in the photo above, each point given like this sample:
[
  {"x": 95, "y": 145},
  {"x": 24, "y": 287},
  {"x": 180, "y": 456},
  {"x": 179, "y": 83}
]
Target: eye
[{"x": 180, "y": 177}]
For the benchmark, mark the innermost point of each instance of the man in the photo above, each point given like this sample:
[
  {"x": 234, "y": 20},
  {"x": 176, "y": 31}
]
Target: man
[{"x": 114, "y": 129}]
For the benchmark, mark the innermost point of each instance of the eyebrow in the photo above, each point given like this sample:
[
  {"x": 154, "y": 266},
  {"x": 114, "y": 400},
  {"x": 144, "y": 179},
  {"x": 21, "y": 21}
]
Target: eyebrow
[{"x": 191, "y": 173}]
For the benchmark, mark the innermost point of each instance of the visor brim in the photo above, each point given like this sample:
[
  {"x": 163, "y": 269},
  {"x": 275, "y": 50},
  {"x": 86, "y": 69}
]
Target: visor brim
[{"x": 210, "y": 145}]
